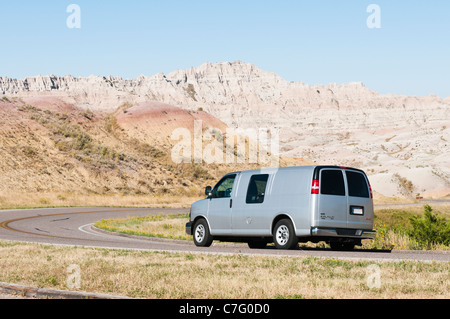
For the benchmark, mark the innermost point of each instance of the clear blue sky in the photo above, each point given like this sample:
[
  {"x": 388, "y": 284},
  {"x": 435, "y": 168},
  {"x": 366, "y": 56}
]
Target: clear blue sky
[{"x": 318, "y": 41}]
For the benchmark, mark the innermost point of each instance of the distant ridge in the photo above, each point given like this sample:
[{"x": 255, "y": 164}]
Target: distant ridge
[{"x": 225, "y": 83}]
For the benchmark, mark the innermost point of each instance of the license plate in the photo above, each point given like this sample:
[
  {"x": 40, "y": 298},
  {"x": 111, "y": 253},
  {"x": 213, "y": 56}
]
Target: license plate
[{"x": 357, "y": 210}]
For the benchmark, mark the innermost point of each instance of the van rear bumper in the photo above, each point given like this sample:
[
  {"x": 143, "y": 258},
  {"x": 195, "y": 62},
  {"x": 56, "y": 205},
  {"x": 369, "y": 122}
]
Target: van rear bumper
[{"x": 343, "y": 233}]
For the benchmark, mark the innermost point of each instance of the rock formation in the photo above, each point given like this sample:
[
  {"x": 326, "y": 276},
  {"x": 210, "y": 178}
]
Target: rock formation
[{"x": 394, "y": 138}]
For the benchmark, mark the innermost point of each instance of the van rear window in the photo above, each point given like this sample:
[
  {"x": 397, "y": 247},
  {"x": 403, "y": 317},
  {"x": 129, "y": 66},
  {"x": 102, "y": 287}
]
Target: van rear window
[
  {"x": 332, "y": 183},
  {"x": 256, "y": 189},
  {"x": 357, "y": 185}
]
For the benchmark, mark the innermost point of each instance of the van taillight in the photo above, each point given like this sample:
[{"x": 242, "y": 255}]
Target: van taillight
[
  {"x": 315, "y": 186},
  {"x": 370, "y": 189}
]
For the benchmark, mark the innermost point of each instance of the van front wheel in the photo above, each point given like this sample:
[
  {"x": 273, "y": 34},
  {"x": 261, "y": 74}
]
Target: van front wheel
[
  {"x": 284, "y": 235},
  {"x": 201, "y": 234}
]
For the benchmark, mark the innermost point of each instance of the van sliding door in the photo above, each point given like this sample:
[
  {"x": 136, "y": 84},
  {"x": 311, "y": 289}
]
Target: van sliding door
[{"x": 250, "y": 215}]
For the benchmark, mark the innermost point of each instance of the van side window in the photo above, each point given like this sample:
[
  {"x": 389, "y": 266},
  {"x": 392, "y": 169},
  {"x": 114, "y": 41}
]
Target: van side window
[
  {"x": 224, "y": 188},
  {"x": 257, "y": 189},
  {"x": 332, "y": 183},
  {"x": 357, "y": 185}
]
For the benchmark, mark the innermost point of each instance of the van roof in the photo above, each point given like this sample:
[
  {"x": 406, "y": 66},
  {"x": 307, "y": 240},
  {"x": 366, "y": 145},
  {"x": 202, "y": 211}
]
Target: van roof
[{"x": 309, "y": 167}]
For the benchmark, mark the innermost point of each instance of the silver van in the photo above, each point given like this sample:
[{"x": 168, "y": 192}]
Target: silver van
[{"x": 285, "y": 206}]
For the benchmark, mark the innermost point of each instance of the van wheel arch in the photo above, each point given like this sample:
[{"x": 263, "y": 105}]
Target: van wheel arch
[
  {"x": 278, "y": 218},
  {"x": 198, "y": 218}
]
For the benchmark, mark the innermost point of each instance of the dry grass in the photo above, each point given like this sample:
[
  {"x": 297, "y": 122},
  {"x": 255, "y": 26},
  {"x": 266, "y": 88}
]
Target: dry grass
[
  {"x": 380, "y": 199},
  {"x": 142, "y": 274},
  {"x": 14, "y": 200}
]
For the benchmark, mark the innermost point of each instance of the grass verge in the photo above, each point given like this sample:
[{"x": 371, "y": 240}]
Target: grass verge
[
  {"x": 162, "y": 226},
  {"x": 142, "y": 274},
  {"x": 394, "y": 228}
]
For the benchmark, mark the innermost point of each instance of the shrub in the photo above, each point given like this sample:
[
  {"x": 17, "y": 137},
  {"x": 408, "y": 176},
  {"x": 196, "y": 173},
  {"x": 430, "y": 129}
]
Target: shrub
[
  {"x": 29, "y": 151},
  {"x": 111, "y": 125},
  {"x": 89, "y": 115},
  {"x": 190, "y": 90},
  {"x": 405, "y": 185},
  {"x": 430, "y": 229}
]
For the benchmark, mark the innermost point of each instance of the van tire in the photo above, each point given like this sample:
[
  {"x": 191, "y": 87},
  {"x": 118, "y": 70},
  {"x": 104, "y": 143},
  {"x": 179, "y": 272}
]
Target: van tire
[
  {"x": 201, "y": 234},
  {"x": 284, "y": 235}
]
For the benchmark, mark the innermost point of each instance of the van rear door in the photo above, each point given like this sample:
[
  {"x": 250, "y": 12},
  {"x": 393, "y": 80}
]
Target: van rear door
[
  {"x": 344, "y": 198},
  {"x": 332, "y": 208},
  {"x": 360, "y": 203}
]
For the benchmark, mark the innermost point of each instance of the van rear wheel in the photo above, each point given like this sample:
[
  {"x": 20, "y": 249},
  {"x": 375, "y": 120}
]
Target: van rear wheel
[
  {"x": 284, "y": 235},
  {"x": 201, "y": 234}
]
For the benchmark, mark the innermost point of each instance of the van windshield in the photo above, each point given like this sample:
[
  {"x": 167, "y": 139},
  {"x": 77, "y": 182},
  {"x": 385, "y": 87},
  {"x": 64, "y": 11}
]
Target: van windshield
[{"x": 357, "y": 185}]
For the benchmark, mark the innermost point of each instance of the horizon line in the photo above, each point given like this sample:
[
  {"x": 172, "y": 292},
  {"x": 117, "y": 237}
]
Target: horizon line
[{"x": 213, "y": 64}]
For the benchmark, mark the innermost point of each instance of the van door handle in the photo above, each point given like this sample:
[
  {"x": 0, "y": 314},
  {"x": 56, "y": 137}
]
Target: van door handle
[{"x": 231, "y": 203}]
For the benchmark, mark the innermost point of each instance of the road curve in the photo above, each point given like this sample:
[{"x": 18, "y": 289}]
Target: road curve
[{"x": 73, "y": 226}]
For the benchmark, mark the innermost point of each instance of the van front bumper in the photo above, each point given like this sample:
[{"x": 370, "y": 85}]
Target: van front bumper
[
  {"x": 343, "y": 233},
  {"x": 189, "y": 228}
]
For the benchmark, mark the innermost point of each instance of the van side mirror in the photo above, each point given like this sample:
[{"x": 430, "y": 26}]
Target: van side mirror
[{"x": 208, "y": 191}]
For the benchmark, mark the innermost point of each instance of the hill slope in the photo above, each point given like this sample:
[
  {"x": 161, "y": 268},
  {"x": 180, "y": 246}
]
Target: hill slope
[{"x": 53, "y": 152}]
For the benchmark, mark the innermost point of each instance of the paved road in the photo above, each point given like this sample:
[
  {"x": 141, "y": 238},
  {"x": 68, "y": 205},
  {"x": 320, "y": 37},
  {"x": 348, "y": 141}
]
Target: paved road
[{"x": 73, "y": 226}]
